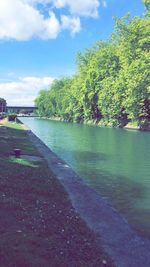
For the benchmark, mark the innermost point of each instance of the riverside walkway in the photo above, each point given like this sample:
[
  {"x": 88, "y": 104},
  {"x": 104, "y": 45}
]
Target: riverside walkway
[{"x": 38, "y": 224}]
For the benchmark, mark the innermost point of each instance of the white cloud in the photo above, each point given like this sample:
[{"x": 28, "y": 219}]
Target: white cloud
[
  {"x": 76, "y": 7},
  {"x": 80, "y": 7},
  {"x": 22, "y": 19},
  {"x": 104, "y": 2},
  {"x": 71, "y": 23},
  {"x": 24, "y": 90}
]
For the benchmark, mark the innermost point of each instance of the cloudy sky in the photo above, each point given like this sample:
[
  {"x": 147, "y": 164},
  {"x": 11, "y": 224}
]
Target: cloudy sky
[{"x": 39, "y": 40}]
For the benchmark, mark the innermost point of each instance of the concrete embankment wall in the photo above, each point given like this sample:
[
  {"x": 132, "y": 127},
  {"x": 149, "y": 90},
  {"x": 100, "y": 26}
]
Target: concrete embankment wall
[{"x": 120, "y": 241}]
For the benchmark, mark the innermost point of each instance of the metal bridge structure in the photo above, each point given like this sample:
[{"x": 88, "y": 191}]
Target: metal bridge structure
[{"x": 21, "y": 110}]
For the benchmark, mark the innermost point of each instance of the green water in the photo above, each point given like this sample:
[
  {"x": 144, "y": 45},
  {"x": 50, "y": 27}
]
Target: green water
[{"x": 115, "y": 162}]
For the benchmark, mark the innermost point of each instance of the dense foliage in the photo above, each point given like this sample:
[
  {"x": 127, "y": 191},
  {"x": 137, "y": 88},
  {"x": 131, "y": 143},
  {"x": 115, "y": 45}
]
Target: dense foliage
[{"x": 112, "y": 82}]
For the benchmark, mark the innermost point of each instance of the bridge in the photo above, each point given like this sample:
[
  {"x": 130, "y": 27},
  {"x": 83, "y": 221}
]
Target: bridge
[{"x": 21, "y": 110}]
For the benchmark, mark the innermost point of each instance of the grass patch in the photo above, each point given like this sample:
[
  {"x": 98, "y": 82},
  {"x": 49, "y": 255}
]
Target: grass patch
[
  {"x": 12, "y": 136},
  {"x": 23, "y": 162},
  {"x": 38, "y": 225}
]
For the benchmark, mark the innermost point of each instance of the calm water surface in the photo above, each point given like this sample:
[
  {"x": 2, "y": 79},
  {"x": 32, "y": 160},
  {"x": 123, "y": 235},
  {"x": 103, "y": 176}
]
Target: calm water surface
[{"x": 115, "y": 162}]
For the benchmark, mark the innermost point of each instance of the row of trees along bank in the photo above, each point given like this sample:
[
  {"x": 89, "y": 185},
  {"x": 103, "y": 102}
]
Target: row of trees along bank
[{"x": 112, "y": 82}]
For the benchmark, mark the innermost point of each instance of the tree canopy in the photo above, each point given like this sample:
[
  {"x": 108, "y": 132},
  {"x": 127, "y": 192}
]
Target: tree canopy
[{"x": 112, "y": 82}]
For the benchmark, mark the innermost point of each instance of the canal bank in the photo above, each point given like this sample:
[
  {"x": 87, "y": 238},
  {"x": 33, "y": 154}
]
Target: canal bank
[
  {"x": 119, "y": 240},
  {"x": 38, "y": 224},
  {"x": 130, "y": 125}
]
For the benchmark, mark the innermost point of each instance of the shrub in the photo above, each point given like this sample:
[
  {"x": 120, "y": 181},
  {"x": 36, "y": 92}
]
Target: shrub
[{"x": 12, "y": 116}]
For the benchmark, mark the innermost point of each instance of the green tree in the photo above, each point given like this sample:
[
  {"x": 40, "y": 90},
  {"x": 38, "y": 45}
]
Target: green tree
[
  {"x": 111, "y": 82},
  {"x": 147, "y": 3}
]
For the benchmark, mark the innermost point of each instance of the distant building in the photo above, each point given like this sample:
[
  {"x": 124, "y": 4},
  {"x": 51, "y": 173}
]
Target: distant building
[{"x": 3, "y": 105}]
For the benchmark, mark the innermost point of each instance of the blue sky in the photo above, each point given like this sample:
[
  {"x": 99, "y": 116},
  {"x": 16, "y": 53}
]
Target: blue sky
[{"x": 39, "y": 40}]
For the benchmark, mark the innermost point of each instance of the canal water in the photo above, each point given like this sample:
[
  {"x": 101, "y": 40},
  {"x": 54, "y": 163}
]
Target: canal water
[{"x": 115, "y": 162}]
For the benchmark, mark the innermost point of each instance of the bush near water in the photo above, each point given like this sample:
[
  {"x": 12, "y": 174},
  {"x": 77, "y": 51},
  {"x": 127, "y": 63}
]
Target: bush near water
[{"x": 12, "y": 116}]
